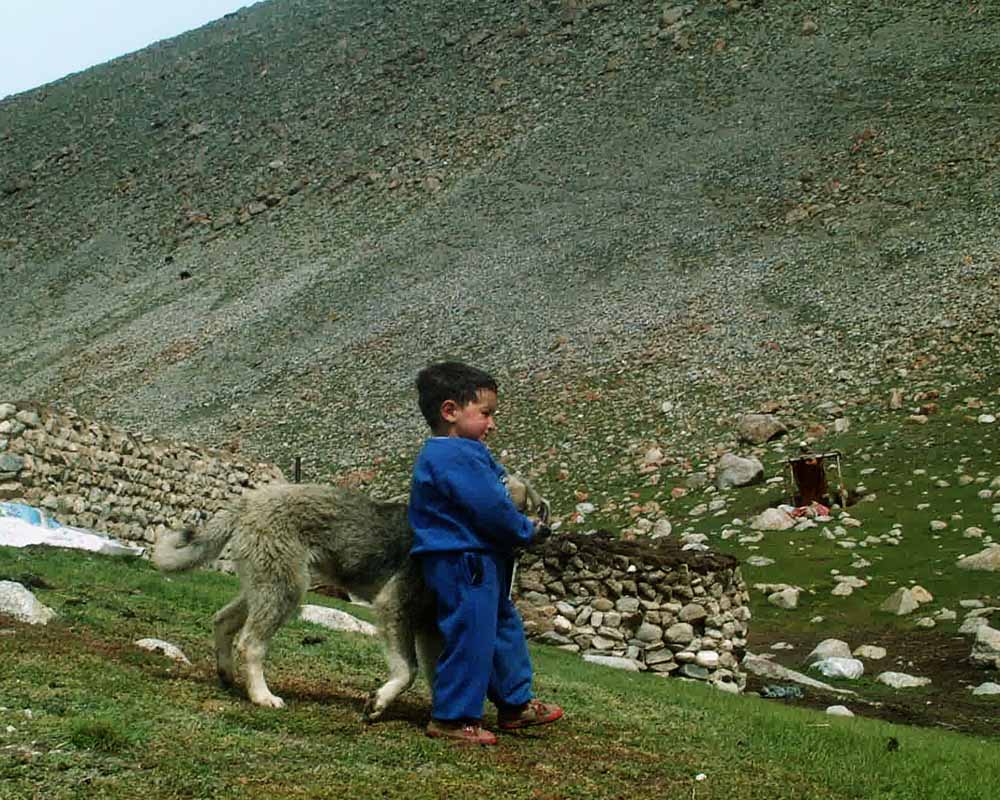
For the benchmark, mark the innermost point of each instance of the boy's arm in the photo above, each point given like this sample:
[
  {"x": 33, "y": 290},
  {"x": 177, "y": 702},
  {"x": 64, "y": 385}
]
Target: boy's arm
[{"x": 473, "y": 486}]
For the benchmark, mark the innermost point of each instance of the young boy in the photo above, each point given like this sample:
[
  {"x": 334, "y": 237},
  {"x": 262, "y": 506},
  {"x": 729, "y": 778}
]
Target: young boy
[{"x": 466, "y": 530}]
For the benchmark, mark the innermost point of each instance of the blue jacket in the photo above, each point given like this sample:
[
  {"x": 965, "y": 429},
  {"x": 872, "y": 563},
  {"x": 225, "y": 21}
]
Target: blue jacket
[{"x": 459, "y": 502}]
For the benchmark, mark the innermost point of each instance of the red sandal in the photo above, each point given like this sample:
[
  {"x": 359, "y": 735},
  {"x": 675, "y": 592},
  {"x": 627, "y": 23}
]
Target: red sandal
[
  {"x": 534, "y": 712},
  {"x": 460, "y": 731}
]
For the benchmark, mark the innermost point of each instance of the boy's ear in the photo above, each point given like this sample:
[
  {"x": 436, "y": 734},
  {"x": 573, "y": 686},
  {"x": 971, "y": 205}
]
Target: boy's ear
[{"x": 449, "y": 410}]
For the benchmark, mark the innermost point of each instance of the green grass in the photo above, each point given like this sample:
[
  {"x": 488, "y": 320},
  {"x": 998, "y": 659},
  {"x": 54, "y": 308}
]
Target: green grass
[{"x": 109, "y": 720}]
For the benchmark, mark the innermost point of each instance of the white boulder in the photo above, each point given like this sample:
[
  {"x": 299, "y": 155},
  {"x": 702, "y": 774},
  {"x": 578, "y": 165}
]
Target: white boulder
[
  {"x": 19, "y": 603},
  {"x": 336, "y": 620},
  {"x": 773, "y": 519},
  {"x": 987, "y": 560},
  {"x": 900, "y": 680},
  {"x": 834, "y": 667},
  {"x": 900, "y": 603},
  {"x": 986, "y": 648}
]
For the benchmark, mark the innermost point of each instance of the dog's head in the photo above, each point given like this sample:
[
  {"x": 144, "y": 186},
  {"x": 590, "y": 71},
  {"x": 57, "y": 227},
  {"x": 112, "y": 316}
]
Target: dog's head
[{"x": 527, "y": 499}]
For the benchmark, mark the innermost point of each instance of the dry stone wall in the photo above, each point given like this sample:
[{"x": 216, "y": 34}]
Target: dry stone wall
[
  {"x": 643, "y": 605},
  {"x": 91, "y": 475}
]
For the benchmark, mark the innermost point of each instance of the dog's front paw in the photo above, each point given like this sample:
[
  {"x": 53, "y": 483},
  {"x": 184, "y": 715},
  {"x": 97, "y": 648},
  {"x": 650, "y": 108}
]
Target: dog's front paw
[
  {"x": 268, "y": 701},
  {"x": 371, "y": 712}
]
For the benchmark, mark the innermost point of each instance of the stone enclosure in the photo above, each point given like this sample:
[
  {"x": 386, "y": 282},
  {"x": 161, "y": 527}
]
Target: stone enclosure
[
  {"x": 642, "y": 605},
  {"x": 639, "y": 605}
]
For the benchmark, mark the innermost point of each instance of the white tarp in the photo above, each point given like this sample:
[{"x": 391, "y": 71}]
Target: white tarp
[{"x": 23, "y": 525}]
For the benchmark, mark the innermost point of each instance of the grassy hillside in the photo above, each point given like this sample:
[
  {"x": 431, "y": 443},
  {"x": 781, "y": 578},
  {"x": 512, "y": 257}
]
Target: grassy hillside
[{"x": 85, "y": 712}]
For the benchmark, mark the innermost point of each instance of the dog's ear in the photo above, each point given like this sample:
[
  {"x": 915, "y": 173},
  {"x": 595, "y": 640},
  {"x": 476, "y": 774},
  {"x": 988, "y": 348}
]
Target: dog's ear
[
  {"x": 527, "y": 498},
  {"x": 518, "y": 491}
]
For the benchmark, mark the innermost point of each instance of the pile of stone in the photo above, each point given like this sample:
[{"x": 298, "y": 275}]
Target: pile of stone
[
  {"x": 93, "y": 476},
  {"x": 640, "y": 605}
]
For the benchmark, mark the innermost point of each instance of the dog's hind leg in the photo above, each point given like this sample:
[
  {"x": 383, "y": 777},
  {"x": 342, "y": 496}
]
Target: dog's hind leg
[
  {"x": 429, "y": 646},
  {"x": 269, "y": 607},
  {"x": 228, "y": 622},
  {"x": 397, "y": 636}
]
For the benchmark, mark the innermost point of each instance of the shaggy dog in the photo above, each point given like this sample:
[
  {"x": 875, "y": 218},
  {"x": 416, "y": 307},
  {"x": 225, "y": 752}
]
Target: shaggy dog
[{"x": 282, "y": 534}]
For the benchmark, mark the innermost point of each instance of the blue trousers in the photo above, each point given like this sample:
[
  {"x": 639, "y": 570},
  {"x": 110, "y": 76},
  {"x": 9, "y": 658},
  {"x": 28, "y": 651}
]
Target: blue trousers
[{"x": 485, "y": 654}]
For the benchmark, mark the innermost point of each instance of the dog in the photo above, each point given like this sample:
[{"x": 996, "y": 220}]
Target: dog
[{"x": 282, "y": 534}]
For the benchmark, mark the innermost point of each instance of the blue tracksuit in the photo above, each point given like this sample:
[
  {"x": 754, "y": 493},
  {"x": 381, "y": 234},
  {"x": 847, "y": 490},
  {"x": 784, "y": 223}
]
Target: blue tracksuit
[{"x": 465, "y": 531}]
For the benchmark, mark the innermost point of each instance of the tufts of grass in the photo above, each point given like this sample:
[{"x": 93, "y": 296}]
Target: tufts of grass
[{"x": 104, "y": 734}]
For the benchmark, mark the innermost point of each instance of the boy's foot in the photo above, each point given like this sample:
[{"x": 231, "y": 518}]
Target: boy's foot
[
  {"x": 534, "y": 712},
  {"x": 460, "y": 731}
]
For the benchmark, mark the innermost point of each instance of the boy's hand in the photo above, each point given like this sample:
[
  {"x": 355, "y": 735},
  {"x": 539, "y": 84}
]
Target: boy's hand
[{"x": 542, "y": 532}]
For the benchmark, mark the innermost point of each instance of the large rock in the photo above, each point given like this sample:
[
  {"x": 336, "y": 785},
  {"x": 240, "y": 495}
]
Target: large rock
[
  {"x": 773, "y": 519},
  {"x": 829, "y": 648},
  {"x": 760, "y": 428},
  {"x": 987, "y": 560},
  {"x": 986, "y": 648},
  {"x": 765, "y": 668},
  {"x": 734, "y": 471},
  {"x": 901, "y": 602},
  {"x": 787, "y": 599},
  {"x": 20, "y": 603},
  {"x": 679, "y": 633},
  {"x": 336, "y": 620}
]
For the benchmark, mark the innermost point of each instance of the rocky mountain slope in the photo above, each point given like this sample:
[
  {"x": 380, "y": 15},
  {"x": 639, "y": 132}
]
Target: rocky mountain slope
[{"x": 645, "y": 218}]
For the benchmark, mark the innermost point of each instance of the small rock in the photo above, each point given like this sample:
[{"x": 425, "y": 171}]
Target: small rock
[
  {"x": 921, "y": 595},
  {"x": 336, "y": 620},
  {"x": 900, "y": 603},
  {"x": 870, "y": 652},
  {"x": 839, "y": 711},
  {"x": 171, "y": 651},
  {"x": 900, "y": 680},
  {"x": 787, "y": 599},
  {"x": 773, "y": 519},
  {"x": 986, "y": 649},
  {"x": 829, "y": 648},
  {"x": 732, "y": 471},
  {"x": 615, "y": 662},
  {"x": 760, "y": 428},
  {"x": 833, "y": 667}
]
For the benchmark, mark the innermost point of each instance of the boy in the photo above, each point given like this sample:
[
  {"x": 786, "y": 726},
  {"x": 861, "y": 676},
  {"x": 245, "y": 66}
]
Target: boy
[{"x": 466, "y": 530}]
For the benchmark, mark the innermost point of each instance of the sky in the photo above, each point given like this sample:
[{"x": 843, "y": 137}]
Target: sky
[{"x": 44, "y": 40}]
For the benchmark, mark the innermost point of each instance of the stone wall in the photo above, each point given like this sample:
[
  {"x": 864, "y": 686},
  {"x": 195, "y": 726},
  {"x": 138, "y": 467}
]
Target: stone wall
[
  {"x": 91, "y": 475},
  {"x": 644, "y": 605}
]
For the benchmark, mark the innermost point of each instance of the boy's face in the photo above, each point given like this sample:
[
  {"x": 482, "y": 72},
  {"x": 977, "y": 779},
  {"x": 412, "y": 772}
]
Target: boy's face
[{"x": 474, "y": 420}]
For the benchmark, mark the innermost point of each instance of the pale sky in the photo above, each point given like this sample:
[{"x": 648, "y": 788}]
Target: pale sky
[{"x": 44, "y": 40}]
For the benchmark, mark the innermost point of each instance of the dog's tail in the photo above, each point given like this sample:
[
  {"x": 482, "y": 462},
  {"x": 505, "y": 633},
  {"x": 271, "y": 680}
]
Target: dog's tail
[{"x": 176, "y": 551}]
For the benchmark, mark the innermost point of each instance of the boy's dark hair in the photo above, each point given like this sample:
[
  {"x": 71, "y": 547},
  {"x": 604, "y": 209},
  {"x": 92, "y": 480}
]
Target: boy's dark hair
[{"x": 449, "y": 380}]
